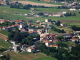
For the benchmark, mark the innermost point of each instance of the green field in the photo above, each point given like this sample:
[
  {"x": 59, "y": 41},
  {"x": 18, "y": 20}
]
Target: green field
[
  {"x": 4, "y": 32},
  {"x": 45, "y": 58},
  {"x": 10, "y": 13},
  {"x": 48, "y": 10},
  {"x": 28, "y": 56},
  {"x": 4, "y": 44}
]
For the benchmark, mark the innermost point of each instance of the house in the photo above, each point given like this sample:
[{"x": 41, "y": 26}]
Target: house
[
  {"x": 37, "y": 26},
  {"x": 5, "y": 28},
  {"x": 21, "y": 26},
  {"x": 18, "y": 21},
  {"x": 24, "y": 47},
  {"x": 30, "y": 49},
  {"x": 22, "y": 30},
  {"x": 72, "y": 9},
  {"x": 44, "y": 26},
  {"x": 31, "y": 30},
  {"x": 47, "y": 20},
  {"x": 64, "y": 12},
  {"x": 54, "y": 45},
  {"x": 40, "y": 31},
  {"x": 17, "y": 48},
  {"x": 38, "y": 21},
  {"x": 57, "y": 14},
  {"x": 48, "y": 43},
  {"x": 50, "y": 15},
  {"x": 3, "y": 2},
  {"x": 14, "y": 26},
  {"x": 63, "y": 24},
  {"x": 2, "y": 20},
  {"x": 13, "y": 42},
  {"x": 46, "y": 14},
  {"x": 41, "y": 23},
  {"x": 73, "y": 39},
  {"x": 6, "y": 40},
  {"x": 32, "y": 25}
]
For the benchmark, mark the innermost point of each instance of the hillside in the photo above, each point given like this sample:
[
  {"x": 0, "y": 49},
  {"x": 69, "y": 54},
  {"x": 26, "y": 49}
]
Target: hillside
[
  {"x": 4, "y": 44},
  {"x": 11, "y": 13},
  {"x": 27, "y": 56}
]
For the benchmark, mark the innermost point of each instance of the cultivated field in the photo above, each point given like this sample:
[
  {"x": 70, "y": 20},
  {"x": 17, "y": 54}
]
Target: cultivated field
[{"x": 41, "y": 4}]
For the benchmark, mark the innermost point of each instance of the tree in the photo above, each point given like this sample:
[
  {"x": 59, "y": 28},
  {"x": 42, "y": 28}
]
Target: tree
[
  {"x": 76, "y": 52},
  {"x": 8, "y": 57},
  {"x": 41, "y": 14},
  {"x": 60, "y": 38},
  {"x": 58, "y": 23}
]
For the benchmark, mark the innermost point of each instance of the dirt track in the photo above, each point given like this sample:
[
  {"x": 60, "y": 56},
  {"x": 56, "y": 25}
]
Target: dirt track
[
  {"x": 69, "y": 21},
  {"x": 34, "y": 3}
]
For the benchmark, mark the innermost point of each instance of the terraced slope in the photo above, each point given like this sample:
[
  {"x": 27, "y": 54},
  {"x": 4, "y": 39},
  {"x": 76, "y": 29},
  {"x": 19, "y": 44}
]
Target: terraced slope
[{"x": 2, "y": 36}]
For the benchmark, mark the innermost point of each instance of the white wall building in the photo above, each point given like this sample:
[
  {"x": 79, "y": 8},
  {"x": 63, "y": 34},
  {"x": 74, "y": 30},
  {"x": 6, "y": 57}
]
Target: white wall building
[
  {"x": 47, "y": 20},
  {"x": 30, "y": 49},
  {"x": 72, "y": 9}
]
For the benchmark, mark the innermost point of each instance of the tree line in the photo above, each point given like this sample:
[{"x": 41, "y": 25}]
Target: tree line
[
  {"x": 20, "y": 6},
  {"x": 22, "y": 37},
  {"x": 61, "y": 53},
  {"x": 75, "y": 28},
  {"x": 70, "y": 14},
  {"x": 57, "y": 30}
]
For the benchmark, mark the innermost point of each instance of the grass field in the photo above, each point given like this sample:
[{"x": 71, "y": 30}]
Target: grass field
[
  {"x": 45, "y": 58},
  {"x": 10, "y": 13},
  {"x": 27, "y": 56},
  {"x": 48, "y": 10},
  {"x": 4, "y": 44},
  {"x": 4, "y": 32}
]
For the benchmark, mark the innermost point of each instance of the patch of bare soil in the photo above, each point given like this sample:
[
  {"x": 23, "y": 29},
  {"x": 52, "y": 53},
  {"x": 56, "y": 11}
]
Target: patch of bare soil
[
  {"x": 35, "y": 3},
  {"x": 69, "y": 21}
]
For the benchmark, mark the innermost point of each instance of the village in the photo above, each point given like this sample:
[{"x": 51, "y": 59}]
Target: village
[
  {"x": 53, "y": 31},
  {"x": 49, "y": 39}
]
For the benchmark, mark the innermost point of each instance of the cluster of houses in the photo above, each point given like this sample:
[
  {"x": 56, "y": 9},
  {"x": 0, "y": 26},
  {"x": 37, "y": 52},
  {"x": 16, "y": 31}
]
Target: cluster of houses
[
  {"x": 50, "y": 39},
  {"x": 4, "y": 2},
  {"x": 46, "y": 38},
  {"x": 57, "y": 14}
]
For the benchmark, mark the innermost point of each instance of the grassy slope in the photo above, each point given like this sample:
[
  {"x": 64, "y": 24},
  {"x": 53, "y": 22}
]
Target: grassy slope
[
  {"x": 25, "y": 55},
  {"x": 4, "y": 44},
  {"x": 52, "y": 10},
  {"x": 45, "y": 58},
  {"x": 4, "y": 32},
  {"x": 9, "y": 13}
]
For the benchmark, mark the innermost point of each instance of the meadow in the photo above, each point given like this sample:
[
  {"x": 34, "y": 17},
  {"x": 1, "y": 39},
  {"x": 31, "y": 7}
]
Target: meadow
[
  {"x": 10, "y": 13},
  {"x": 27, "y": 56},
  {"x": 5, "y": 32},
  {"x": 45, "y": 58},
  {"x": 4, "y": 44}
]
